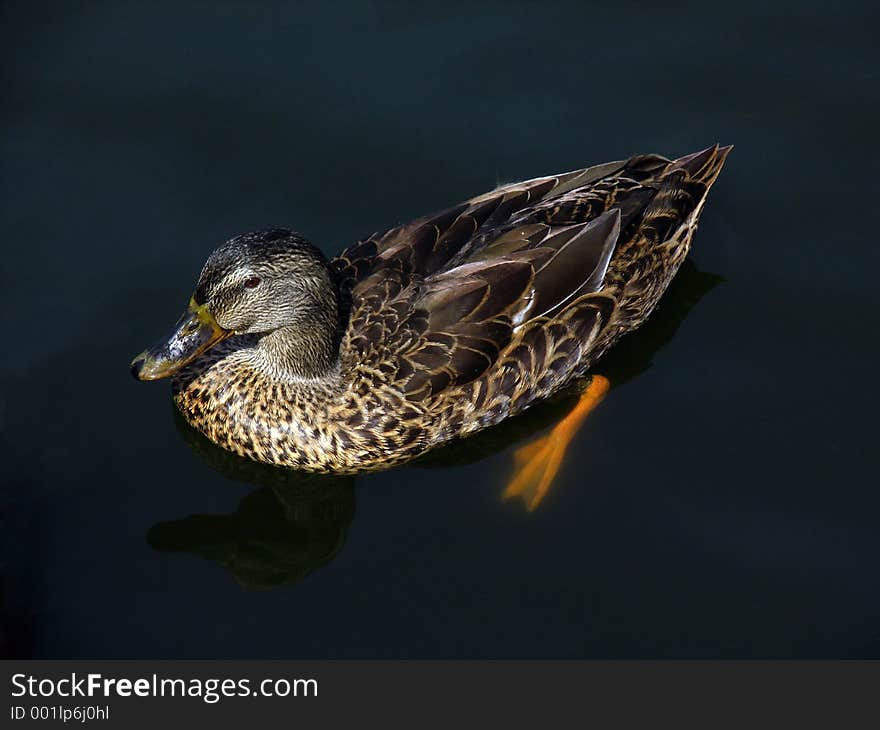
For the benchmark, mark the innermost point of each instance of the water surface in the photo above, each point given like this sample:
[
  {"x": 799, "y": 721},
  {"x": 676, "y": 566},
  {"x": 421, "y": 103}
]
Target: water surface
[{"x": 721, "y": 502}]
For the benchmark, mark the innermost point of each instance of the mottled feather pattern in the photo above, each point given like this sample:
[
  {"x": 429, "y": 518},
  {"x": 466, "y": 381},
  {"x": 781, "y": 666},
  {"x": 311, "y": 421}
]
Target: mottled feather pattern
[{"x": 466, "y": 317}]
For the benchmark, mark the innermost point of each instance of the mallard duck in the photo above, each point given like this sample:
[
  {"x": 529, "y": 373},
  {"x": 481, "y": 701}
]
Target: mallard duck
[
  {"x": 435, "y": 329},
  {"x": 296, "y": 522}
]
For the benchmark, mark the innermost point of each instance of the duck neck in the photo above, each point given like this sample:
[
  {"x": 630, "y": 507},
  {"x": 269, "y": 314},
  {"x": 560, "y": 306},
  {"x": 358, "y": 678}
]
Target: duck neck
[{"x": 303, "y": 351}]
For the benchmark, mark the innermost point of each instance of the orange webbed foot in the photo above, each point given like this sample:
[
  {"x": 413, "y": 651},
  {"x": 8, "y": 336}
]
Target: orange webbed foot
[{"x": 537, "y": 463}]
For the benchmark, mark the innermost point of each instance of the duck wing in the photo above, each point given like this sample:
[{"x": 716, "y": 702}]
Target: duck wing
[
  {"x": 429, "y": 244},
  {"x": 435, "y": 302}
]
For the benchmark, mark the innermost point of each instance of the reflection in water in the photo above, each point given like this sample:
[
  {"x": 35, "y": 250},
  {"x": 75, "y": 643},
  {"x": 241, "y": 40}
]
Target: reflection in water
[
  {"x": 296, "y": 522},
  {"x": 280, "y": 533}
]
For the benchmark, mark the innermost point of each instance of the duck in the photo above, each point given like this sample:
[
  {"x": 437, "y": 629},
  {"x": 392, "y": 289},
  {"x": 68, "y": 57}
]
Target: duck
[{"x": 435, "y": 329}]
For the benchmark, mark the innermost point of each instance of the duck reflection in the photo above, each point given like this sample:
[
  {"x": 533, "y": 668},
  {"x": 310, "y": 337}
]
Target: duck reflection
[{"x": 296, "y": 522}]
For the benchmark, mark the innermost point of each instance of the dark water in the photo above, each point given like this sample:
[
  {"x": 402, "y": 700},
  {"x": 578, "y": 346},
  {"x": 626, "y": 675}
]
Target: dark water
[{"x": 722, "y": 502}]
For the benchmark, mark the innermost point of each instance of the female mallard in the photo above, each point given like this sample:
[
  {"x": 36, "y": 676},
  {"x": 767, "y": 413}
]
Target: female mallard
[{"x": 435, "y": 329}]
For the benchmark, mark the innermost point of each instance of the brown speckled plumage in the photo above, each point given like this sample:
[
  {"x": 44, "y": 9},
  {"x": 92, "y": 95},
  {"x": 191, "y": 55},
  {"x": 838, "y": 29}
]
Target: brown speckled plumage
[{"x": 461, "y": 319}]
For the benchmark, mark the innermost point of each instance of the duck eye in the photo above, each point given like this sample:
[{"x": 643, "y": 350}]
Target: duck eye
[{"x": 252, "y": 282}]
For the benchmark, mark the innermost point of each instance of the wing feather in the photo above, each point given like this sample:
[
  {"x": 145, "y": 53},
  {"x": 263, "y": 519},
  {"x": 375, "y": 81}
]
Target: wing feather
[{"x": 520, "y": 273}]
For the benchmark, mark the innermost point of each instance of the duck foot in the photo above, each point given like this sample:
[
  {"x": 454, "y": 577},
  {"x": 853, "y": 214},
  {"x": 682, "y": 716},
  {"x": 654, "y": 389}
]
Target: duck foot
[{"x": 537, "y": 463}]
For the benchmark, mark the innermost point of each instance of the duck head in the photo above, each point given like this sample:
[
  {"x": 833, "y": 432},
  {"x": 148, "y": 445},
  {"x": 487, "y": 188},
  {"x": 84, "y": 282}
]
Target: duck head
[{"x": 264, "y": 283}]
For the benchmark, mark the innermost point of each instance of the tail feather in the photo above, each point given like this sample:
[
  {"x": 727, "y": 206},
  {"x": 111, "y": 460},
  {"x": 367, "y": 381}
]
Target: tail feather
[
  {"x": 703, "y": 166},
  {"x": 682, "y": 190}
]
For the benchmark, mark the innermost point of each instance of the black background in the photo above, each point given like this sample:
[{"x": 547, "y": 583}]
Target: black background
[{"x": 721, "y": 504}]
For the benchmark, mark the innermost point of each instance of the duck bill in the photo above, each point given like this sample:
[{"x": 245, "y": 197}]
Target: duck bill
[{"x": 195, "y": 332}]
